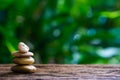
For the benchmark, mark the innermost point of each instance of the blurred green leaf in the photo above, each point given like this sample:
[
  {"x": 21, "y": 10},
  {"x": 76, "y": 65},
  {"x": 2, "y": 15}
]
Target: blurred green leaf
[
  {"x": 5, "y": 3},
  {"x": 114, "y": 14}
]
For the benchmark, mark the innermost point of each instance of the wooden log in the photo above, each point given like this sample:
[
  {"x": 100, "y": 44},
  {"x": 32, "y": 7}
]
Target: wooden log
[{"x": 64, "y": 72}]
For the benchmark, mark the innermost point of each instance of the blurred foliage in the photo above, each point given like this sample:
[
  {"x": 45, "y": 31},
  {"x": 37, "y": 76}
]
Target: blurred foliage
[{"x": 62, "y": 31}]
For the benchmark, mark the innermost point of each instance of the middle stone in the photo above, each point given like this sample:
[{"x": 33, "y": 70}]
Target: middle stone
[{"x": 24, "y": 60}]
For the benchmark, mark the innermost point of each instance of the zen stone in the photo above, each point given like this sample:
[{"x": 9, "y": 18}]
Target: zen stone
[
  {"x": 25, "y": 60},
  {"x": 22, "y": 47},
  {"x": 24, "y": 68},
  {"x": 19, "y": 54}
]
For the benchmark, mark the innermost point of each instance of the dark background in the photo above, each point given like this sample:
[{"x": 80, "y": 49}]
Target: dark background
[{"x": 62, "y": 31}]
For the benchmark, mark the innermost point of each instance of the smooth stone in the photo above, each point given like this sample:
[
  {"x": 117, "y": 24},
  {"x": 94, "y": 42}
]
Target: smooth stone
[
  {"x": 23, "y": 47},
  {"x": 23, "y": 60},
  {"x": 19, "y": 54},
  {"x": 24, "y": 68}
]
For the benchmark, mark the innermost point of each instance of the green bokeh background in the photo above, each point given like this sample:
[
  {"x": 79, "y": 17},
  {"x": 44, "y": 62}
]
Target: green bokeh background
[{"x": 62, "y": 31}]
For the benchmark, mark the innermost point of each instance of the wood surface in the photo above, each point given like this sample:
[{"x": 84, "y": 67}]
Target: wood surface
[{"x": 64, "y": 72}]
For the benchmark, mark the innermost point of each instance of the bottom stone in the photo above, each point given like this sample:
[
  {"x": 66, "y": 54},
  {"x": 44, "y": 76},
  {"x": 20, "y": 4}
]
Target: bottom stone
[{"x": 24, "y": 68}]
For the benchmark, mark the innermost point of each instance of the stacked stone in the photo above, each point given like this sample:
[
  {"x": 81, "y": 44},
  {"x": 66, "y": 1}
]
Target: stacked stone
[{"x": 23, "y": 60}]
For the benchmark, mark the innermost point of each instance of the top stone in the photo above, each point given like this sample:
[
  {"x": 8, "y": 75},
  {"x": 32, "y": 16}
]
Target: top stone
[{"x": 22, "y": 47}]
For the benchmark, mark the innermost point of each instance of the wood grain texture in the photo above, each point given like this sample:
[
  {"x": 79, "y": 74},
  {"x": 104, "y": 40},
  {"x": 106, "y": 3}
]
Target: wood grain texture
[{"x": 64, "y": 72}]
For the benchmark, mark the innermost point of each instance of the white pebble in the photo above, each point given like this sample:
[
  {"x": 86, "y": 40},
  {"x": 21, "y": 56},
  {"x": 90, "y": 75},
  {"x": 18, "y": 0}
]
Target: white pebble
[{"x": 23, "y": 47}]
